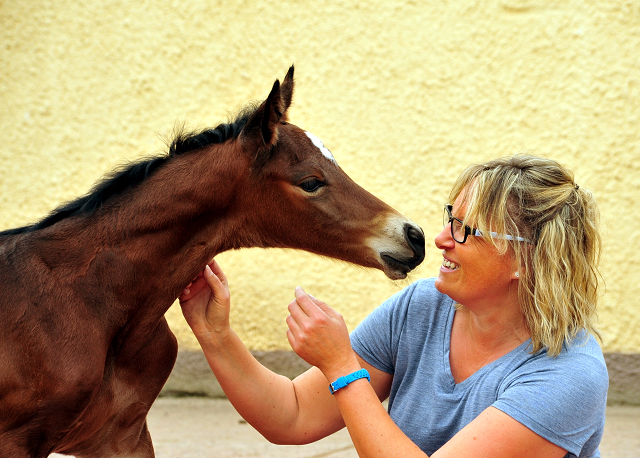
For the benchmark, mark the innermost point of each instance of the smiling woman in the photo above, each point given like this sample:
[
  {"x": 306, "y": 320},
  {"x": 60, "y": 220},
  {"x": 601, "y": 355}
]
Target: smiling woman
[{"x": 537, "y": 201}]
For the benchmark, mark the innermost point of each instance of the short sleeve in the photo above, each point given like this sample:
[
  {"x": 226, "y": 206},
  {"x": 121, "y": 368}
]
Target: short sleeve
[
  {"x": 376, "y": 338},
  {"x": 562, "y": 399}
]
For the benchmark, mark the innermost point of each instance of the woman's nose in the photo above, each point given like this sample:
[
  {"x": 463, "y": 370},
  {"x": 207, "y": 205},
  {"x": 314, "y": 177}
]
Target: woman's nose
[{"x": 444, "y": 239}]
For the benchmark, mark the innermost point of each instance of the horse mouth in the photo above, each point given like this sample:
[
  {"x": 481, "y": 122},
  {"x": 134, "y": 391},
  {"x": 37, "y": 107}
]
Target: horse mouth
[{"x": 396, "y": 269}]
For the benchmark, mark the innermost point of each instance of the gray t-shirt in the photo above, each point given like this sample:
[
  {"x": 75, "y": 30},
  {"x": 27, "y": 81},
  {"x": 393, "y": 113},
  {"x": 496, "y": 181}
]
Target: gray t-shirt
[{"x": 563, "y": 398}]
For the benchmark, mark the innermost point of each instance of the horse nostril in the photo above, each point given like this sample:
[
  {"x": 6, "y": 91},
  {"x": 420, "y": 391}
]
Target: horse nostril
[{"x": 415, "y": 239}]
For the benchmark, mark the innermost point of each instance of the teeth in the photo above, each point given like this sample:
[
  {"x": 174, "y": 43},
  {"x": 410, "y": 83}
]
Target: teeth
[{"x": 450, "y": 265}]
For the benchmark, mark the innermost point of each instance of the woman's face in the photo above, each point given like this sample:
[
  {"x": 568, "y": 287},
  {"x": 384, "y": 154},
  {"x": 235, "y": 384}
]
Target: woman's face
[{"x": 474, "y": 273}]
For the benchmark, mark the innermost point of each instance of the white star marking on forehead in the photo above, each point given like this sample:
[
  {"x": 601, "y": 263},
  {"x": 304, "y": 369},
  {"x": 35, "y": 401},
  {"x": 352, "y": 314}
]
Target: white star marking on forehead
[{"x": 318, "y": 143}]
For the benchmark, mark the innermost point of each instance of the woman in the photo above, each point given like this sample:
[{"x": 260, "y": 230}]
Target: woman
[{"x": 496, "y": 357}]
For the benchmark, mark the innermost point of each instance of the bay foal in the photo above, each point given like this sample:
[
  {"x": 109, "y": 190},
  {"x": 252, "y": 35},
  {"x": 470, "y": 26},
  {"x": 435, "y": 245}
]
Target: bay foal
[{"x": 85, "y": 347}]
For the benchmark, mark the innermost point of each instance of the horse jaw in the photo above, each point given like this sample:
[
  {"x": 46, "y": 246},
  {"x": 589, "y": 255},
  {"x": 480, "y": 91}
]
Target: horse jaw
[{"x": 398, "y": 246}]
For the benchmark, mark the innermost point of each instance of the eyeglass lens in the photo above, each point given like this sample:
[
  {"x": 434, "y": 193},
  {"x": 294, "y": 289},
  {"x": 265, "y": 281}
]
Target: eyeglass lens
[{"x": 457, "y": 228}]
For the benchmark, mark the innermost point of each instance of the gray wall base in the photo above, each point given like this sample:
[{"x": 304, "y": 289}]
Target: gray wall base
[{"x": 191, "y": 375}]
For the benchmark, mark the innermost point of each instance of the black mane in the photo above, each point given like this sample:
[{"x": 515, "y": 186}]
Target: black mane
[{"x": 134, "y": 174}]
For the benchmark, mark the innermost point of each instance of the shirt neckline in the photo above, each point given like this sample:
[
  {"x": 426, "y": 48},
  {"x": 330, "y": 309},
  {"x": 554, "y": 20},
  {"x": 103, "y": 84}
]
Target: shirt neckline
[{"x": 487, "y": 367}]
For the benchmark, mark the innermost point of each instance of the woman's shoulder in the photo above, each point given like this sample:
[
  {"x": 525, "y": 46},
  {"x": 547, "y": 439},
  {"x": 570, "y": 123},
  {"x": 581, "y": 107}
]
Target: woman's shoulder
[
  {"x": 422, "y": 306},
  {"x": 562, "y": 398},
  {"x": 402, "y": 323},
  {"x": 584, "y": 354},
  {"x": 418, "y": 304},
  {"x": 584, "y": 343},
  {"x": 581, "y": 361}
]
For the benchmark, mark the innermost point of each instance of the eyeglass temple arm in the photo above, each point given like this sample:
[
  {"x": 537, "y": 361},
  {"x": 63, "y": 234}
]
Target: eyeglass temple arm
[{"x": 495, "y": 235}]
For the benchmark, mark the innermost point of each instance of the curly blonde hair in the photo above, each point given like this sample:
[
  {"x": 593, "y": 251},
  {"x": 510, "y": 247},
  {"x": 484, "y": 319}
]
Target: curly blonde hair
[{"x": 537, "y": 199}]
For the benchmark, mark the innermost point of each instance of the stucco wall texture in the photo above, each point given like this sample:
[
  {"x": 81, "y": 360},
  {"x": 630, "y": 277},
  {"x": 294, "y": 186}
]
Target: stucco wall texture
[{"x": 404, "y": 93}]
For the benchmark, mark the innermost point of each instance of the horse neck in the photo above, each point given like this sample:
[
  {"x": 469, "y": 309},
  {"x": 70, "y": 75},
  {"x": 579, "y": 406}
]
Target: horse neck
[
  {"x": 183, "y": 214},
  {"x": 143, "y": 248}
]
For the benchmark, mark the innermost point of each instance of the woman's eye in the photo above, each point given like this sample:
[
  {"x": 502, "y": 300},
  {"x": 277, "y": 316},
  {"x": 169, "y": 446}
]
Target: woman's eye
[{"x": 311, "y": 185}]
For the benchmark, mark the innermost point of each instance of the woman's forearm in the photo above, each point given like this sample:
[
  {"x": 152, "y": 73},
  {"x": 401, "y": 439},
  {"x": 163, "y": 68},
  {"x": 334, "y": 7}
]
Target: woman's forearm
[
  {"x": 263, "y": 398},
  {"x": 373, "y": 432},
  {"x": 318, "y": 334},
  {"x": 282, "y": 410}
]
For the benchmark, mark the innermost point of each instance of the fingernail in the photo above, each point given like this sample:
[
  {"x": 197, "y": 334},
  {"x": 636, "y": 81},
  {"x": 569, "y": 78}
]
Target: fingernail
[
  {"x": 299, "y": 291},
  {"x": 207, "y": 270}
]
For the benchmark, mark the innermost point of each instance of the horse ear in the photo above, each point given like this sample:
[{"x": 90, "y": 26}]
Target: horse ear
[
  {"x": 287, "y": 92},
  {"x": 260, "y": 133}
]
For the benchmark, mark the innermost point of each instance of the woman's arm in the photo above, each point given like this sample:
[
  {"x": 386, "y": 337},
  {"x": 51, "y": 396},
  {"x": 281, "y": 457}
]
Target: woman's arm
[
  {"x": 494, "y": 434},
  {"x": 282, "y": 410},
  {"x": 318, "y": 334}
]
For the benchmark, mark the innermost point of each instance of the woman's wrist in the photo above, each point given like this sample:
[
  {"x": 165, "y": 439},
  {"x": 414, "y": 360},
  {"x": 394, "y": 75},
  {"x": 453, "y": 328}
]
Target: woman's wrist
[
  {"x": 215, "y": 340},
  {"x": 338, "y": 370}
]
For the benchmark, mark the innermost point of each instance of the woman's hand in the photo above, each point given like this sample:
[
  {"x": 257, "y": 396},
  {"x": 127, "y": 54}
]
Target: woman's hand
[
  {"x": 206, "y": 302},
  {"x": 319, "y": 335}
]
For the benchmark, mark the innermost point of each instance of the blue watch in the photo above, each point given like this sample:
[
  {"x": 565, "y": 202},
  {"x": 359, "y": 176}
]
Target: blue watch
[{"x": 344, "y": 381}]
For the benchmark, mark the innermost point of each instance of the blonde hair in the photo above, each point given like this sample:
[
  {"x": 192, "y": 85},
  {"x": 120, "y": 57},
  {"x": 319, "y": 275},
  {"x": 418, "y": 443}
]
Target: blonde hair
[{"x": 537, "y": 199}]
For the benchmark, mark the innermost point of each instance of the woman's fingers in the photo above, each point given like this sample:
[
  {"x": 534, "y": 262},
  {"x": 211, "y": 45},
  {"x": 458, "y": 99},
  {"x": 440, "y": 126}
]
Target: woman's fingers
[
  {"x": 304, "y": 302},
  {"x": 217, "y": 270},
  {"x": 312, "y": 306},
  {"x": 323, "y": 306},
  {"x": 217, "y": 282},
  {"x": 310, "y": 319},
  {"x": 192, "y": 289},
  {"x": 206, "y": 304},
  {"x": 317, "y": 333}
]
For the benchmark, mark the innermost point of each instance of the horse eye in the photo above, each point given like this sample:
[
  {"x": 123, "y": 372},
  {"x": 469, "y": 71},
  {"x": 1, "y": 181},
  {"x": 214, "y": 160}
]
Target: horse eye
[{"x": 311, "y": 185}]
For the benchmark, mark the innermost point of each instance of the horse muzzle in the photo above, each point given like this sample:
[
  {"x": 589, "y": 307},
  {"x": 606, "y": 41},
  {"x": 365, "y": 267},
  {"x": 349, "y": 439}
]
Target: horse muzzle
[{"x": 401, "y": 249}]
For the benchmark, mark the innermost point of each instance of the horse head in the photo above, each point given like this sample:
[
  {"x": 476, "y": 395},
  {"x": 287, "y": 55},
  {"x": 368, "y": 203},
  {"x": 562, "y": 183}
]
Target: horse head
[{"x": 312, "y": 203}]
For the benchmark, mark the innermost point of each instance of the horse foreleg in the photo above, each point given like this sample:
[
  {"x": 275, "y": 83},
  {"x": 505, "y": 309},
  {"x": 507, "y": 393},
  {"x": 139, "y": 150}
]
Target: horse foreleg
[
  {"x": 125, "y": 434},
  {"x": 139, "y": 372}
]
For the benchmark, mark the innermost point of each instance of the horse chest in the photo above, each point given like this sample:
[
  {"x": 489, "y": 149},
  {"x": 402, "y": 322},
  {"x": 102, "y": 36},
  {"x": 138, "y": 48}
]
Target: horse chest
[{"x": 132, "y": 379}]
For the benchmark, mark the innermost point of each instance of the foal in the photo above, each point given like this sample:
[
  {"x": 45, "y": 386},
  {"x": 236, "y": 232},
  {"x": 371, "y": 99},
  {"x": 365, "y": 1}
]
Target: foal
[{"x": 85, "y": 347}]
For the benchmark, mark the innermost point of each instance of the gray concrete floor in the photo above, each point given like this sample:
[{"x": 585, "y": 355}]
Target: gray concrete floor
[{"x": 208, "y": 428}]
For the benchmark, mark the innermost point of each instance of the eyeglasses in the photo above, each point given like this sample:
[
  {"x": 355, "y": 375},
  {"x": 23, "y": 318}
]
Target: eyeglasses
[{"x": 460, "y": 231}]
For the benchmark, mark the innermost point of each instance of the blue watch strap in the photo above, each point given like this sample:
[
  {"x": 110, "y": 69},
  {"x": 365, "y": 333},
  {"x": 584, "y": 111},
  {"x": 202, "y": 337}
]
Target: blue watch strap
[{"x": 344, "y": 381}]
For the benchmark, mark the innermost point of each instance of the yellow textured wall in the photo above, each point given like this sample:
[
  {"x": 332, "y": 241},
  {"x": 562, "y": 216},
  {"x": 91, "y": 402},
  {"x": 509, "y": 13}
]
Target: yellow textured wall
[{"x": 405, "y": 94}]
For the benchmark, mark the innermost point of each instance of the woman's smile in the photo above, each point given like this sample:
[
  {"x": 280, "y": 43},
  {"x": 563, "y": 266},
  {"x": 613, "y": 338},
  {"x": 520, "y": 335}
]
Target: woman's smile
[{"x": 449, "y": 266}]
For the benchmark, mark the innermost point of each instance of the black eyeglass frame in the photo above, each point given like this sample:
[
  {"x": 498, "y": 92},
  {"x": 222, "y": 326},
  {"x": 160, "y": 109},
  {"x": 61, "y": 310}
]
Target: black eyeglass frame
[
  {"x": 468, "y": 230},
  {"x": 449, "y": 220}
]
